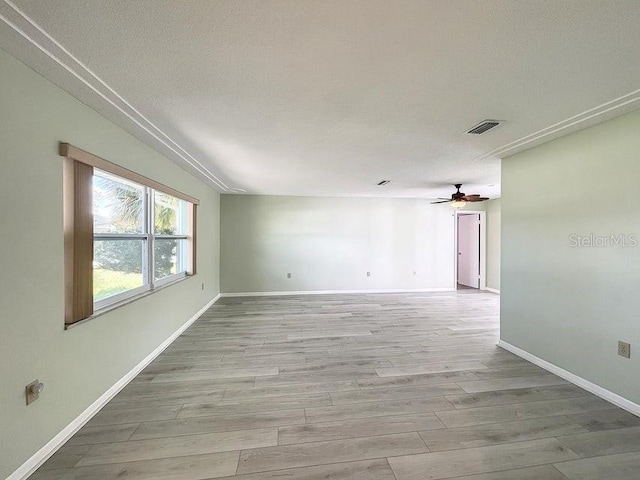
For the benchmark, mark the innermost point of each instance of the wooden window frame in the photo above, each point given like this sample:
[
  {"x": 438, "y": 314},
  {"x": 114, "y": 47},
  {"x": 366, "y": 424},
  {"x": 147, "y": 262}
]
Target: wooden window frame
[{"x": 78, "y": 170}]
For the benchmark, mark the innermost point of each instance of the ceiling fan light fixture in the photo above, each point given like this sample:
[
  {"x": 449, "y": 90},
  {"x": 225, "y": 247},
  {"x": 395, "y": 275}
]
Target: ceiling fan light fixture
[{"x": 459, "y": 199}]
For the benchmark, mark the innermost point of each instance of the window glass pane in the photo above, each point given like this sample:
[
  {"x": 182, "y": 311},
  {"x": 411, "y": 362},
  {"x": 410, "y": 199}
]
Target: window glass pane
[
  {"x": 169, "y": 257},
  {"x": 170, "y": 215},
  {"x": 117, "y": 267},
  {"x": 117, "y": 205}
]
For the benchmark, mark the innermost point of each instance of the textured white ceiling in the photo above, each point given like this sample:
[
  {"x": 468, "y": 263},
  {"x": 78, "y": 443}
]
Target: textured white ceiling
[{"x": 310, "y": 97}]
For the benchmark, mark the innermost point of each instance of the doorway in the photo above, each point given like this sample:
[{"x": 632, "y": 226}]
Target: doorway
[{"x": 470, "y": 250}]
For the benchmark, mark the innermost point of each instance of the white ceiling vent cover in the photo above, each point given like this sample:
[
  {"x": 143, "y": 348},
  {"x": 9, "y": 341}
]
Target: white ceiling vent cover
[{"x": 484, "y": 126}]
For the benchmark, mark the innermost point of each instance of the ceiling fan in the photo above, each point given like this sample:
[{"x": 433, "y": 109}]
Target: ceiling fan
[{"x": 460, "y": 199}]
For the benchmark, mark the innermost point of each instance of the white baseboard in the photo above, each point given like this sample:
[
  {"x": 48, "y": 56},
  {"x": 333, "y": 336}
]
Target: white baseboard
[
  {"x": 492, "y": 290},
  {"x": 603, "y": 393},
  {"x": 42, "y": 455},
  {"x": 329, "y": 292}
]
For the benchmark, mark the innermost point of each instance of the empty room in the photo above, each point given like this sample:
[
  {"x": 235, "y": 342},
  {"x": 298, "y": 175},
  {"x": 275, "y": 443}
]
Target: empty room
[{"x": 320, "y": 239}]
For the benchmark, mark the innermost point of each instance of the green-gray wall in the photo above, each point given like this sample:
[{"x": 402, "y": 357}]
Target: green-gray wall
[
  {"x": 79, "y": 364},
  {"x": 329, "y": 243},
  {"x": 570, "y": 305}
]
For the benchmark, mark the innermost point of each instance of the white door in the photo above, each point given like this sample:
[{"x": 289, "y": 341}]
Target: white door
[{"x": 469, "y": 250}]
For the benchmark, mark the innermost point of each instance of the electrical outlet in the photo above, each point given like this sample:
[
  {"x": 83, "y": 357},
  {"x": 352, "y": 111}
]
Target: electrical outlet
[
  {"x": 33, "y": 391},
  {"x": 368, "y": 274},
  {"x": 288, "y": 275},
  {"x": 624, "y": 349},
  {"x": 414, "y": 273}
]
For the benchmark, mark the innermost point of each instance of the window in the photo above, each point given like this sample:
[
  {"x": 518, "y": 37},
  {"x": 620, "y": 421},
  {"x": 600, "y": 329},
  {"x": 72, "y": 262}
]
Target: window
[{"x": 125, "y": 234}]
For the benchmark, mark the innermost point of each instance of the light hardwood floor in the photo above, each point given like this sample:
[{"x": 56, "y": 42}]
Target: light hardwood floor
[{"x": 353, "y": 387}]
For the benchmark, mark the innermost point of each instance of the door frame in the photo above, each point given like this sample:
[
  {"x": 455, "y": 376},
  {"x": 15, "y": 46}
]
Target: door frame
[{"x": 483, "y": 246}]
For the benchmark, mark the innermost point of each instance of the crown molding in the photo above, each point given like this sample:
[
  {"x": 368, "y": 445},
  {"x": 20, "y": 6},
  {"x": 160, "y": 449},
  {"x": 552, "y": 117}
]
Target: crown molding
[
  {"x": 581, "y": 120},
  {"x": 33, "y": 33},
  {"x": 56, "y": 53}
]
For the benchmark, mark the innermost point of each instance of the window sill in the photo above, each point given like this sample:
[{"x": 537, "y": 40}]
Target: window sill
[{"x": 127, "y": 301}]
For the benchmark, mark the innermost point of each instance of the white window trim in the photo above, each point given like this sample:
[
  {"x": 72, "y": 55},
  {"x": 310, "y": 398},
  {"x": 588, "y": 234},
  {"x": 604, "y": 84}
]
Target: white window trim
[
  {"x": 78, "y": 168},
  {"x": 150, "y": 283},
  {"x": 118, "y": 298}
]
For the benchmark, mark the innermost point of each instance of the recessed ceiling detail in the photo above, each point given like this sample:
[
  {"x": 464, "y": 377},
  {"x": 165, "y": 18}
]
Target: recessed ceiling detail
[
  {"x": 24, "y": 26},
  {"x": 311, "y": 98}
]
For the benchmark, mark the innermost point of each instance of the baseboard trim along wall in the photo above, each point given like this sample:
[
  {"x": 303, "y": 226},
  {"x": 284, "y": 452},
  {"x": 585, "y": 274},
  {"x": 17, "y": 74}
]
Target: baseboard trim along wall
[
  {"x": 603, "y": 393},
  {"x": 329, "y": 292},
  {"x": 492, "y": 290},
  {"x": 42, "y": 455}
]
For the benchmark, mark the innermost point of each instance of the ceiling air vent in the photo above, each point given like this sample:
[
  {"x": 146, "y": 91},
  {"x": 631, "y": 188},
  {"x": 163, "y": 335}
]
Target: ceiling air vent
[
  {"x": 484, "y": 126},
  {"x": 383, "y": 182}
]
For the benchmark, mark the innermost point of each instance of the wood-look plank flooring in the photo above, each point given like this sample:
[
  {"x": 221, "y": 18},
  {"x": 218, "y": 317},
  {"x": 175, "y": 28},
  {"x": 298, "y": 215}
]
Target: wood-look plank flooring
[{"x": 352, "y": 387}]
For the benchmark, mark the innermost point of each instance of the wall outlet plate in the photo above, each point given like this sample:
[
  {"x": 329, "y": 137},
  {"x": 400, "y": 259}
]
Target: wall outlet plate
[
  {"x": 368, "y": 274},
  {"x": 624, "y": 349},
  {"x": 288, "y": 275},
  {"x": 31, "y": 393}
]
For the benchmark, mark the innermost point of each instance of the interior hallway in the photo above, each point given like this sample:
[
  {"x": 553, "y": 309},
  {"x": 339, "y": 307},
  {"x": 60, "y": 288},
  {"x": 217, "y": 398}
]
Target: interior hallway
[{"x": 358, "y": 387}]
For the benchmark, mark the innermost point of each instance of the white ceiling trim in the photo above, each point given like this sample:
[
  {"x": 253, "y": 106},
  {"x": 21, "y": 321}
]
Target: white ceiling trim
[
  {"x": 585, "y": 116},
  {"x": 31, "y": 31},
  {"x": 87, "y": 77}
]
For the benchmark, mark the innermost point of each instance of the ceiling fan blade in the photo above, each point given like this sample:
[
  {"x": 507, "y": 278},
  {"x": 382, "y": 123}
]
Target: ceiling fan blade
[
  {"x": 476, "y": 199},
  {"x": 461, "y": 197}
]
